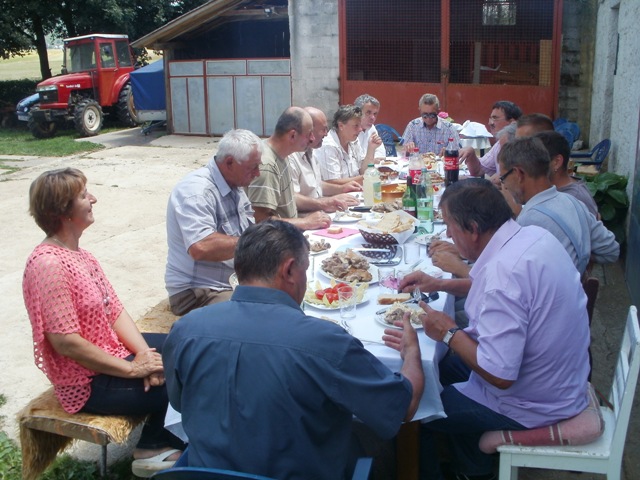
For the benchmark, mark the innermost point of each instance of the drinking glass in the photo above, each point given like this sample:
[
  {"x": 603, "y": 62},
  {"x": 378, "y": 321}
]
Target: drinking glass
[
  {"x": 411, "y": 253},
  {"x": 388, "y": 280},
  {"x": 347, "y": 299}
]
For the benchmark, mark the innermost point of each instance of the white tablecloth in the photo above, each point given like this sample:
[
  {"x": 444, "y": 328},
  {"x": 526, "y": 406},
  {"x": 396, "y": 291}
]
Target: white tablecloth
[{"x": 369, "y": 331}]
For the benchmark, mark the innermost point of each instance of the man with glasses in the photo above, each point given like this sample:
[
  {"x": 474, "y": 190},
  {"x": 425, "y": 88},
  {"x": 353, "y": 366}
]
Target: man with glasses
[
  {"x": 502, "y": 114},
  {"x": 429, "y": 132},
  {"x": 524, "y": 173},
  {"x": 272, "y": 193}
]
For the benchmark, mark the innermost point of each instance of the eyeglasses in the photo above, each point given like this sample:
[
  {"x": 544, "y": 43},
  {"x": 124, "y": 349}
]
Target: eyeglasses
[
  {"x": 429, "y": 115},
  {"x": 504, "y": 177}
]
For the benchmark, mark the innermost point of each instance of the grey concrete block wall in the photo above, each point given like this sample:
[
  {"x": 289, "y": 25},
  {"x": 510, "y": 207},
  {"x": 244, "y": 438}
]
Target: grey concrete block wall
[{"x": 315, "y": 53}]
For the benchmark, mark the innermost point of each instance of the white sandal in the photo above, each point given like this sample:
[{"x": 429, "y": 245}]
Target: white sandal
[{"x": 145, "y": 467}]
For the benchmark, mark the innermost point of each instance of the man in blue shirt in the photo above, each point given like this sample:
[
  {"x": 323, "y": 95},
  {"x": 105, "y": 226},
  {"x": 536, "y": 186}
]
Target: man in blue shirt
[{"x": 264, "y": 388}]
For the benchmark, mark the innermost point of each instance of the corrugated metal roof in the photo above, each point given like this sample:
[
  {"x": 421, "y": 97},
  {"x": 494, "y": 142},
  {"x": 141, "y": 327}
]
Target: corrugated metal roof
[{"x": 206, "y": 17}]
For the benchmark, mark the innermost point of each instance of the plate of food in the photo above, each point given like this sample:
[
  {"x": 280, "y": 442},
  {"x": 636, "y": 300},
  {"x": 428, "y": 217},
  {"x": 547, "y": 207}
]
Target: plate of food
[
  {"x": 347, "y": 217},
  {"x": 396, "y": 312},
  {"x": 327, "y": 298},
  {"x": 318, "y": 247},
  {"x": 350, "y": 267}
]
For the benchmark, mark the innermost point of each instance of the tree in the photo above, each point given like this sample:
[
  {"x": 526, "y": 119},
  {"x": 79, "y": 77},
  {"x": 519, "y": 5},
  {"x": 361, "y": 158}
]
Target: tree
[{"x": 25, "y": 23}]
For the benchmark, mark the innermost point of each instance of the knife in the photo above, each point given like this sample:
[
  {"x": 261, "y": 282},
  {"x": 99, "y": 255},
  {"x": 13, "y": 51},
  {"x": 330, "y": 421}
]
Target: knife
[{"x": 362, "y": 249}]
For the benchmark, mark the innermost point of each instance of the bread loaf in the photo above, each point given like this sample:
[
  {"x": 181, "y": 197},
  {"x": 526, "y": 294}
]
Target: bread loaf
[
  {"x": 334, "y": 230},
  {"x": 391, "y": 298}
]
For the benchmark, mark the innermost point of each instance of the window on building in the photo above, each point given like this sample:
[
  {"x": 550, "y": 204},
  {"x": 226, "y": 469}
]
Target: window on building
[{"x": 499, "y": 12}]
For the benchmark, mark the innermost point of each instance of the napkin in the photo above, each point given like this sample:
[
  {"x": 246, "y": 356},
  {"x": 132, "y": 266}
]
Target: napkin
[
  {"x": 474, "y": 129},
  {"x": 346, "y": 232}
]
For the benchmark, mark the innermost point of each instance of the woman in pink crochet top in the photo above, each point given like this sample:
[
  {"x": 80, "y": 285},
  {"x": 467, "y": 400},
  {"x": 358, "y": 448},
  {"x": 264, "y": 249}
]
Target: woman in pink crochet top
[{"x": 84, "y": 340}]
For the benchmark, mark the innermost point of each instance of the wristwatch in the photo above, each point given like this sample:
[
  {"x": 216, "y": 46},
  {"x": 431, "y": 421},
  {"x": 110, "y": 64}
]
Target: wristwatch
[{"x": 449, "y": 335}]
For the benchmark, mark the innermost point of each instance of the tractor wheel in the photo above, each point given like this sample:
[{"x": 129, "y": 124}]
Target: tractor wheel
[
  {"x": 42, "y": 129},
  {"x": 126, "y": 109},
  {"x": 88, "y": 118}
]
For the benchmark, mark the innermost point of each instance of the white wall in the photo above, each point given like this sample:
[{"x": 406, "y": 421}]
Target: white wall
[
  {"x": 616, "y": 98},
  {"x": 315, "y": 54}
]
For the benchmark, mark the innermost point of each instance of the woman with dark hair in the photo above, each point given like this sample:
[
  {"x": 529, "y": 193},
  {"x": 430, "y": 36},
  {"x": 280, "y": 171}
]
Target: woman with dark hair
[{"x": 84, "y": 340}]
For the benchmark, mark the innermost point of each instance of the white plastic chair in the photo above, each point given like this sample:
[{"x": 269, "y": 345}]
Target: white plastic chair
[{"x": 605, "y": 454}]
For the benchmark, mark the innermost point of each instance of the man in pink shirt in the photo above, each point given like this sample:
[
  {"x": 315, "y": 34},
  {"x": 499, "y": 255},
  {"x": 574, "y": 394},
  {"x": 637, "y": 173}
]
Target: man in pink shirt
[{"x": 522, "y": 362}]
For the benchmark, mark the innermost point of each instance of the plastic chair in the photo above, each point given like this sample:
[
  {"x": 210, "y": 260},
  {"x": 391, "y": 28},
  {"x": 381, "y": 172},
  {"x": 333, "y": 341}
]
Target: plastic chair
[
  {"x": 569, "y": 130},
  {"x": 389, "y": 137},
  {"x": 603, "y": 456},
  {"x": 595, "y": 157},
  {"x": 181, "y": 472}
]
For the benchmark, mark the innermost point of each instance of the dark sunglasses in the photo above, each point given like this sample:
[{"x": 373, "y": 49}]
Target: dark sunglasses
[{"x": 429, "y": 115}]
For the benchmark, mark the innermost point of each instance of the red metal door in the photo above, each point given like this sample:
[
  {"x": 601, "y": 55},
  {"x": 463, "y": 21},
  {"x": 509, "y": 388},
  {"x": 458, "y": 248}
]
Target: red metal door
[{"x": 470, "y": 53}]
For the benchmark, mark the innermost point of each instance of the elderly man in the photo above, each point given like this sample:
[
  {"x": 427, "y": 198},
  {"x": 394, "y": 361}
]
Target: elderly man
[
  {"x": 275, "y": 388},
  {"x": 502, "y": 114},
  {"x": 429, "y": 132},
  {"x": 207, "y": 212},
  {"x": 522, "y": 362},
  {"x": 311, "y": 192},
  {"x": 272, "y": 193},
  {"x": 524, "y": 172},
  {"x": 369, "y": 138},
  {"x": 528, "y": 125}
]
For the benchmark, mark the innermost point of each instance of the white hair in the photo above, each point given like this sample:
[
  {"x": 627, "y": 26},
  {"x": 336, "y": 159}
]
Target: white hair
[{"x": 238, "y": 144}]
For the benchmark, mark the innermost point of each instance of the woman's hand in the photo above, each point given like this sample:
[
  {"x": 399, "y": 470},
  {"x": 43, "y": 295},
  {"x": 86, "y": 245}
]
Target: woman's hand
[
  {"x": 145, "y": 363},
  {"x": 153, "y": 380}
]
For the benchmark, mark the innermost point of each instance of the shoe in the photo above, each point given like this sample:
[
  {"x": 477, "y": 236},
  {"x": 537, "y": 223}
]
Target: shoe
[{"x": 145, "y": 467}]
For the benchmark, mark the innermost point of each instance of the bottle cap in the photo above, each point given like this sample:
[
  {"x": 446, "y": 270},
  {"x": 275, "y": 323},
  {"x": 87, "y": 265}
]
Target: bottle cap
[{"x": 371, "y": 164}]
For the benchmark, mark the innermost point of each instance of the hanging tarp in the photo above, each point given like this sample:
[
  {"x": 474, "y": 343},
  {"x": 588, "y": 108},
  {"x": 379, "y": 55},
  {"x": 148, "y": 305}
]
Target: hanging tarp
[{"x": 147, "y": 84}]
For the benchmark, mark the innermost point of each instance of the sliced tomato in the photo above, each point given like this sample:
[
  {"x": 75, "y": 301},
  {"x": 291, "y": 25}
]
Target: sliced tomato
[
  {"x": 341, "y": 284},
  {"x": 331, "y": 297},
  {"x": 319, "y": 294}
]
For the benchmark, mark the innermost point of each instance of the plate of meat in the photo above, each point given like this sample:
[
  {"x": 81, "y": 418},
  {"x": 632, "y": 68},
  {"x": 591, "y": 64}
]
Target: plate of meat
[
  {"x": 348, "y": 266},
  {"x": 395, "y": 313}
]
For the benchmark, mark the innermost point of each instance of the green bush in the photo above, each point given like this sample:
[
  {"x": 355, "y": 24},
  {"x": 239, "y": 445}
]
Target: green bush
[
  {"x": 609, "y": 190},
  {"x": 12, "y": 91}
]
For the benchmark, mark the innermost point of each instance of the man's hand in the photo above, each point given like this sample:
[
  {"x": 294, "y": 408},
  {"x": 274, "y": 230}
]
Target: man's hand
[
  {"x": 351, "y": 186},
  {"x": 409, "y": 146},
  {"x": 374, "y": 141},
  {"x": 468, "y": 155},
  {"x": 450, "y": 262},
  {"x": 401, "y": 340},
  {"x": 332, "y": 204},
  {"x": 314, "y": 221},
  {"x": 350, "y": 200},
  {"x": 442, "y": 246},
  {"x": 426, "y": 283},
  {"x": 435, "y": 323}
]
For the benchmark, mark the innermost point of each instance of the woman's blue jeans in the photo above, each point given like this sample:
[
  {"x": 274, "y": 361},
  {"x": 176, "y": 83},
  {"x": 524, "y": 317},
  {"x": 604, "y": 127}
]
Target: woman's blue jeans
[
  {"x": 466, "y": 421},
  {"x": 126, "y": 396}
]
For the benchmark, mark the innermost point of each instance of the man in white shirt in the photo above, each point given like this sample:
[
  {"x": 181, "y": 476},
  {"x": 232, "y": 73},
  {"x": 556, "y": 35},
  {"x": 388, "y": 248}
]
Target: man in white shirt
[
  {"x": 370, "y": 108},
  {"x": 311, "y": 193}
]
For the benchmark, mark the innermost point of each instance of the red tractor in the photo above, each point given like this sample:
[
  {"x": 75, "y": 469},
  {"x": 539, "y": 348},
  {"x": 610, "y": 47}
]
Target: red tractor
[{"x": 94, "y": 82}]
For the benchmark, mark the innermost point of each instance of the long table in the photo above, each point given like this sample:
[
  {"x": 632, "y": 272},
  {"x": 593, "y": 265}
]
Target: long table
[{"x": 365, "y": 327}]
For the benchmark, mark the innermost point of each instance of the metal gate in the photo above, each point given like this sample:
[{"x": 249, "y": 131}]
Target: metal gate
[{"x": 470, "y": 53}]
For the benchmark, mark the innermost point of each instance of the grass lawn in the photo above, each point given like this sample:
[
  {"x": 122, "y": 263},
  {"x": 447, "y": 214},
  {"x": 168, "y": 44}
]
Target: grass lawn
[
  {"x": 18, "y": 68},
  {"x": 15, "y": 141}
]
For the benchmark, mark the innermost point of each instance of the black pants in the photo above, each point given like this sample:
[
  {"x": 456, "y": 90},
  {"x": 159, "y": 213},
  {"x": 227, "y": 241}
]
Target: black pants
[{"x": 126, "y": 396}]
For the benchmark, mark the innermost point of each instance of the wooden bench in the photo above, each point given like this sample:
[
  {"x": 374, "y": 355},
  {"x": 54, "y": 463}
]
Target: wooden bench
[{"x": 46, "y": 430}]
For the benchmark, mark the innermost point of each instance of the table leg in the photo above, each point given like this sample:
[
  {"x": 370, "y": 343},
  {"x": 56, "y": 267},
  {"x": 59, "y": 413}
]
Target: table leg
[{"x": 408, "y": 451}]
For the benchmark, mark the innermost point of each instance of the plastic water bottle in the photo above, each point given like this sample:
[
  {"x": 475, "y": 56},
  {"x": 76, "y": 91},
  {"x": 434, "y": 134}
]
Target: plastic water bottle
[
  {"x": 371, "y": 186},
  {"x": 424, "y": 203},
  {"x": 415, "y": 166}
]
